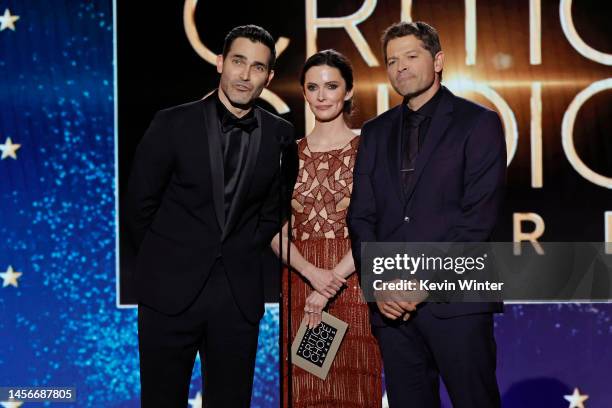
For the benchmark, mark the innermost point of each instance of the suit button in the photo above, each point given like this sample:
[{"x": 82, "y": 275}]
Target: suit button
[{"x": 407, "y": 219}]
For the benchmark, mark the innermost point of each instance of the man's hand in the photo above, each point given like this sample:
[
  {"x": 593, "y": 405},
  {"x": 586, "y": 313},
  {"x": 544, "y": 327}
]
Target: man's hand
[
  {"x": 391, "y": 310},
  {"x": 394, "y": 310},
  {"x": 324, "y": 281},
  {"x": 315, "y": 303},
  {"x": 395, "y": 304}
]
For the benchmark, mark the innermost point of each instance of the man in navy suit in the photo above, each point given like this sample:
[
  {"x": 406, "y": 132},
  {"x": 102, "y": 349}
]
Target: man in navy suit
[{"x": 430, "y": 170}]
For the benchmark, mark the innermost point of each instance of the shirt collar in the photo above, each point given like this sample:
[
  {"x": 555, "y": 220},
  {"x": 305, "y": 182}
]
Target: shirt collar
[
  {"x": 222, "y": 111},
  {"x": 429, "y": 108}
]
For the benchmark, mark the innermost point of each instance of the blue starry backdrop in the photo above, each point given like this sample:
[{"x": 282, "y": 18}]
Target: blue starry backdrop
[{"x": 59, "y": 320}]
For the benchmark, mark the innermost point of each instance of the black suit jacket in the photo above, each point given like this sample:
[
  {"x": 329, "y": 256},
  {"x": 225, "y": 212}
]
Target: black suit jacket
[
  {"x": 176, "y": 213},
  {"x": 455, "y": 194}
]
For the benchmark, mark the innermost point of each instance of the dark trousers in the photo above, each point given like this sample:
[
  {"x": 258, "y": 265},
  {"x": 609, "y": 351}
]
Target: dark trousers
[
  {"x": 418, "y": 352},
  {"x": 213, "y": 326}
]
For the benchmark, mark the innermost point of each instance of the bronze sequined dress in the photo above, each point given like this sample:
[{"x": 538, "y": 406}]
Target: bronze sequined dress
[{"x": 320, "y": 200}]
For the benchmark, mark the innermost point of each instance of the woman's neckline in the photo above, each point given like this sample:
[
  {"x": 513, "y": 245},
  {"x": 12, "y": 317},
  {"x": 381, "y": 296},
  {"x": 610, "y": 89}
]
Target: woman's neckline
[{"x": 329, "y": 150}]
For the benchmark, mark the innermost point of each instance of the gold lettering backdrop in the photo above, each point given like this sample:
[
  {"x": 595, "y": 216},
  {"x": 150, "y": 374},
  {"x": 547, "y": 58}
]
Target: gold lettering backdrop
[
  {"x": 544, "y": 66},
  {"x": 527, "y": 60}
]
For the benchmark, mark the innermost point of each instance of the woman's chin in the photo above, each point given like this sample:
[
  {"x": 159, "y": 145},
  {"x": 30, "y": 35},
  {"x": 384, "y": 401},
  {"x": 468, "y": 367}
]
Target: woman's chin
[{"x": 327, "y": 117}]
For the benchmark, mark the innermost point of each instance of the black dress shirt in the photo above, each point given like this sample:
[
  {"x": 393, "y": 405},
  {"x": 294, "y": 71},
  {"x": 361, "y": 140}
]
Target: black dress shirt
[
  {"x": 414, "y": 130},
  {"x": 234, "y": 145}
]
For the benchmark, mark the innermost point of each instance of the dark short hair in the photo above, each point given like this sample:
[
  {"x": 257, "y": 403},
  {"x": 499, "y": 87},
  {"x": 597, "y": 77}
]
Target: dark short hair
[
  {"x": 255, "y": 34},
  {"x": 421, "y": 30},
  {"x": 332, "y": 58}
]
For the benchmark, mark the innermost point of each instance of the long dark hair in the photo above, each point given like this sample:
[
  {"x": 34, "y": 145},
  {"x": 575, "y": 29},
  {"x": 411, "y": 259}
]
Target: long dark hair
[{"x": 334, "y": 59}]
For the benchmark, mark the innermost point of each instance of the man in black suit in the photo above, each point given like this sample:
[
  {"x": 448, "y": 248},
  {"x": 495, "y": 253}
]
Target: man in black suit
[
  {"x": 203, "y": 203},
  {"x": 430, "y": 170}
]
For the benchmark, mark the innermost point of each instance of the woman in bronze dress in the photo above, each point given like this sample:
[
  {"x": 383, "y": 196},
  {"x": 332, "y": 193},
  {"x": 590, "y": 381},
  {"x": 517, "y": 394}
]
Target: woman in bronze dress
[{"x": 323, "y": 272}]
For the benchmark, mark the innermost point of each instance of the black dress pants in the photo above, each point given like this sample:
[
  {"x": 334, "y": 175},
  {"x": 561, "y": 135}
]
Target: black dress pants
[
  {"x": 213, "y": 326},
  {"x": 460, "y": 349}
]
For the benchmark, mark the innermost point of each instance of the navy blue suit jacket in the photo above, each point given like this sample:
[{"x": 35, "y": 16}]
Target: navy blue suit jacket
[{"x": 455, "y": 194}]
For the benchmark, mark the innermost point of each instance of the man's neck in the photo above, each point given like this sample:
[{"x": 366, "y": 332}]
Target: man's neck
[
  {"x": 415, "y": 102},
  {"x": 238, "y": 112}
]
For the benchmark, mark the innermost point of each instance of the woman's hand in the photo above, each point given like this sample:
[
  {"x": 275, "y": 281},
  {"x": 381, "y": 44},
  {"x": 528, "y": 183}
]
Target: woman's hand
[
  {"x": 315, "y": 303},
  {"x": 324, "y": 281}
]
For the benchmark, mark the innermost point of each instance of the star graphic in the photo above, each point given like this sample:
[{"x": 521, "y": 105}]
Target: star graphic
[
  {"x": 576, "y": 400},
  {"x": 8, "y": 20},
  {"x": 10, "y": 277},
  {"x": 9, "y": 149},
  {"x": 11, "y": 404},
  {"x": 197, "y": 401}
]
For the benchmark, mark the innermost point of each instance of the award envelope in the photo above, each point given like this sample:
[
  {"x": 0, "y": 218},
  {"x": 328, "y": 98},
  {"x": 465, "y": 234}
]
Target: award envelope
[{"x": 314, "y": 350}]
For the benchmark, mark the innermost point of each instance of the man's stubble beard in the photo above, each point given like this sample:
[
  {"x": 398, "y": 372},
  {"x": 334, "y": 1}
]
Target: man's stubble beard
[
  {"x": 409, "y": 95},
  {"x": 237, "y": 103}
]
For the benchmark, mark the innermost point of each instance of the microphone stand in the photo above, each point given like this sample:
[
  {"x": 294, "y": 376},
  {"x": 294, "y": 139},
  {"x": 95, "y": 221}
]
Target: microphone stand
[{"x": 285, "y": 191}]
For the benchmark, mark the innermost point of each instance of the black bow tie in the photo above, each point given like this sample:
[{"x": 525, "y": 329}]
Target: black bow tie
[{"x": 230, "y": 122}]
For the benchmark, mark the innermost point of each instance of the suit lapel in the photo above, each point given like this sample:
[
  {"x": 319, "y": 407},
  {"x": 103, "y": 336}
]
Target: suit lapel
[
  {"x": 247, "y": 174},
  {"x": 439, "y": 123},
  {"x": 216, "y": 156},
  {"x": 394, "y": 150}
]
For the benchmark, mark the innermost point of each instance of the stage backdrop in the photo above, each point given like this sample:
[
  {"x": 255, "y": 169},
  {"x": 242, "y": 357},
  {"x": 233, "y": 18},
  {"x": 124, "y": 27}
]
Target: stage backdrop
[{"x": 71, "y": 117}]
